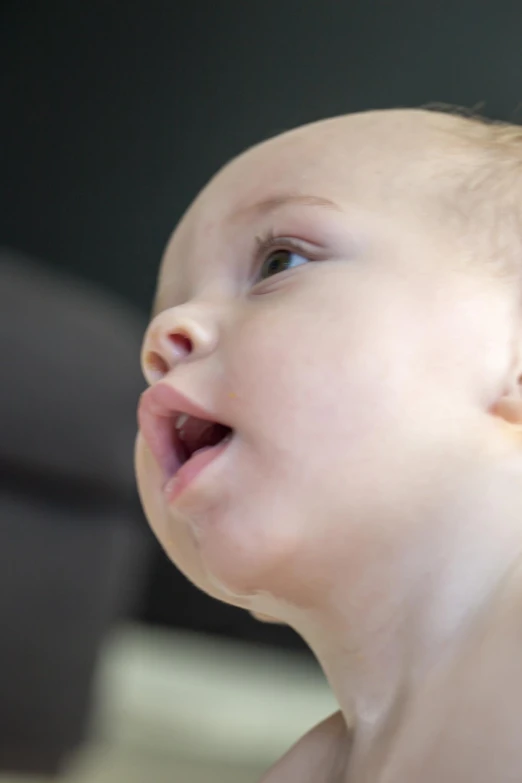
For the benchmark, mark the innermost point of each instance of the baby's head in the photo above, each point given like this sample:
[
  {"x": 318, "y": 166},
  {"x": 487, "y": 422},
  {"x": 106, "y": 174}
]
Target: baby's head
[{"x": 345, "y": 299}]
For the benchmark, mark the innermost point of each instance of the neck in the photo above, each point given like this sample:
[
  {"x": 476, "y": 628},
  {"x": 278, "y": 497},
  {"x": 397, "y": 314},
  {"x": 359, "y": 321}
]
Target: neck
[{"x": 380, "y": 651}]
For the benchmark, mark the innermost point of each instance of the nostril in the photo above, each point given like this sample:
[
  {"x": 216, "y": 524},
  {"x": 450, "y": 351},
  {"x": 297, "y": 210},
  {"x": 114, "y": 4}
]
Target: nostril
[
  {"x": 181, "y": 343},
  {"x": 155, "y": 366},
  {"x": 173, "y": 348}
]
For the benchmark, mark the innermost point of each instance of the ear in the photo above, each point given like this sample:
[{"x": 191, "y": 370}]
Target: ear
[{"x": 509, "y": 406}]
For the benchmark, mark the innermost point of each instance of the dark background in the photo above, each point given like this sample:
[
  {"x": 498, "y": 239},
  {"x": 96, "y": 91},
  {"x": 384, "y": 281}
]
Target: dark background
[{"x": 114, "y": 114}]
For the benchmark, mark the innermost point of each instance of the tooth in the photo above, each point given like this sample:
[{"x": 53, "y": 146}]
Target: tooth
[{"x": 181, "y": 421}]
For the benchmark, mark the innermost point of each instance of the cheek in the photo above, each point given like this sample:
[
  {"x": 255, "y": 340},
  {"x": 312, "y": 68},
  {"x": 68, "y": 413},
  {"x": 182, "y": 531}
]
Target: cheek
[{"x": 302, "y": 382}]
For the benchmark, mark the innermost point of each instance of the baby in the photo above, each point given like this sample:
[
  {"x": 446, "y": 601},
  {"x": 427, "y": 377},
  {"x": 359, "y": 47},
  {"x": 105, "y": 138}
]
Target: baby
[{"x": 332, "y": 437}]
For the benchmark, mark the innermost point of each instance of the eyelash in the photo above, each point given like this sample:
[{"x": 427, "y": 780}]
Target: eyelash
[{"x": 269, "y": 243}]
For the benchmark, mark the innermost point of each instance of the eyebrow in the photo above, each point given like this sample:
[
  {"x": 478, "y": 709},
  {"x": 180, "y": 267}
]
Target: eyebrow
[{"x": 269, "y": 205}]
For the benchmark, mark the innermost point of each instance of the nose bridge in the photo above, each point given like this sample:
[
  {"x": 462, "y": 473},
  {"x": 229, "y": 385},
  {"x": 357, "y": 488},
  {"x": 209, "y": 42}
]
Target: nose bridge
[{"x": 189, "y": 330}]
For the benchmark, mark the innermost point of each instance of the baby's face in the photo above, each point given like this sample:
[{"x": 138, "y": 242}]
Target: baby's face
[{"x": 310, "y": 301}]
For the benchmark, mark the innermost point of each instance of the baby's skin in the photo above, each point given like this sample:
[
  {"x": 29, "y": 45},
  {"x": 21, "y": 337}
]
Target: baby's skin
[{"x": 337, "y": 300}]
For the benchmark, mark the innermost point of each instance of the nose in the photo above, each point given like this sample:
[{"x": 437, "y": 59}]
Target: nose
[{"x": 174, "y": 336}]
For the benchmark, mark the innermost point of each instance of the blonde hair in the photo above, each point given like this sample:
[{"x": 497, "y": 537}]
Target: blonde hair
[{"x": 485, "y": 187}]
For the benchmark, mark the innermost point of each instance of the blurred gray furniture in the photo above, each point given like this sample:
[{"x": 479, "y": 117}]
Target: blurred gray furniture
[{"x": 73, "y": 542}]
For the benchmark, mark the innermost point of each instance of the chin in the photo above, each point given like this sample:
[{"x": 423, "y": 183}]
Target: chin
[
  {"x": 223, "y": 538},
  {"x": 191, "y": 539}
]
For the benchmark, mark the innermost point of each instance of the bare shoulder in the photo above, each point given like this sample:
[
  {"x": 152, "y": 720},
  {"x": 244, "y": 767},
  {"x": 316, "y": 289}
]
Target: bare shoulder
[{"x": 321, "y": 756}]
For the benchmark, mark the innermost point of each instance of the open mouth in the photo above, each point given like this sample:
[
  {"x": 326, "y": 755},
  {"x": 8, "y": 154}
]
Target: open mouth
[
  {"x": 181, "y": 436},
  {"x": 192, "y": 435},
  {"x": 197, "y": 442}
]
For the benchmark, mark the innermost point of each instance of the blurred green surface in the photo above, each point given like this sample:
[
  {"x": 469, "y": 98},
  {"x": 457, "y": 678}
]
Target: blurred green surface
[{"x": 187, "y": 708}]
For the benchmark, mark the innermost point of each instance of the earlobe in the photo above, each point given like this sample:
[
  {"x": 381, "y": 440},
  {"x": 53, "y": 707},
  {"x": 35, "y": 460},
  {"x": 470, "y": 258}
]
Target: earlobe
[
  {"x": 509, "y": 406},
  {"x": 509, "y": 409}
]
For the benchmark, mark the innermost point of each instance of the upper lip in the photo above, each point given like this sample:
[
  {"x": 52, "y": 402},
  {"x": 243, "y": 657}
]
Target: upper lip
[{"x": 157, "y": 411}]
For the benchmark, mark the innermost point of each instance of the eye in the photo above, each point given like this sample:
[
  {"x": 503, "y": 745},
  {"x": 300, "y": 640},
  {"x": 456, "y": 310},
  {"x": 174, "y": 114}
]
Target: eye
[{"x": 279, "y": 261}]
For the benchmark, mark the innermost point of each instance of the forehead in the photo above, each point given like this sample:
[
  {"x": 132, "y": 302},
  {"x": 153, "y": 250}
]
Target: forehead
[
  {"x": 361, "y": 155},
  {"x": 375, "y": 161}
]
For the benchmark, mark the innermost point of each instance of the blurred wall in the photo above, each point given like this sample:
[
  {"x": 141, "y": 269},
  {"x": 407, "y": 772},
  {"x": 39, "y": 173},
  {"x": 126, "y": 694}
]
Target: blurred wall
[{"x": 116, "y": 113}]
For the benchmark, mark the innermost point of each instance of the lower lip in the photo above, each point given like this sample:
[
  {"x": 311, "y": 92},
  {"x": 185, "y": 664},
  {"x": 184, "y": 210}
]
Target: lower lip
[{"x": 191, "y": 469}]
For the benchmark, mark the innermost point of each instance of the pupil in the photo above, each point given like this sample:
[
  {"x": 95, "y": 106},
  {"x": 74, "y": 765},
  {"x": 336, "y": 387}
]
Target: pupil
[{"x": 277, "y": 262}]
